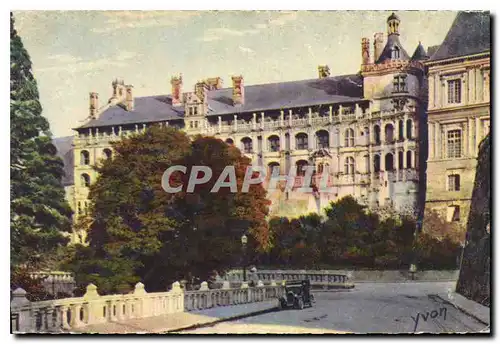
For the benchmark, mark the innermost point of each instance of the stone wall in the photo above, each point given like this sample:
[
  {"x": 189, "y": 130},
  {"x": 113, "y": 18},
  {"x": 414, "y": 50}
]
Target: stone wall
[{"x": 474, "y": 280}]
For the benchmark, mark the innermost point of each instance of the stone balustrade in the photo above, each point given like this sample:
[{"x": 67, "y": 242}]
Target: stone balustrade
[
  {"x": 226, "y": 296},
  {"x": 72, "y": 313},
  {"x": 56, "y": 281},
  {"x": 323, "y": 279}
]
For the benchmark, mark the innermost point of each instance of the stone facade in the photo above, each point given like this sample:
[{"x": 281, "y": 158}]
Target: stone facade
[
  {"x": 368, "y": 131},
  {"x": 362, "y": 130},
  {"x": 458, "y": 115}
]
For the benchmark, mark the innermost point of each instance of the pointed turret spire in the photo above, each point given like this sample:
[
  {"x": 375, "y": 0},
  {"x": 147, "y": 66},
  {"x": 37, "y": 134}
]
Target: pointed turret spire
[{"x": 420, "y": 53}]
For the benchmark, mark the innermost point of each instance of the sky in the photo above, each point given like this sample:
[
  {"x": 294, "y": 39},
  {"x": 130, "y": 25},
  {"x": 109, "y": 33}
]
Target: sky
[{"x": 77, "y": 52}]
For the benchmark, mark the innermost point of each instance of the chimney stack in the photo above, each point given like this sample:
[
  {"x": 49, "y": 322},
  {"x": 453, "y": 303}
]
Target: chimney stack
[
  {"x": 176, "y": 83},
  {"x": 129, "y": 99},
  {"x": 378, "y": 45},
  {"x": 323, "y": 71},
  {"x": 214, "y": 83},
  {"x": 238, "y": 90},
  {"x": 94, "y": 104},
  {"x": 365, "y": 51},
  {"x": 200, "y": 89}
]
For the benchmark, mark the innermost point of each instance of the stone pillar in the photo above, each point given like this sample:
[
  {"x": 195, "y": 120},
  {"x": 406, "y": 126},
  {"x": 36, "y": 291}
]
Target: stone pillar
[
  {"x": 282, "y": 118},
  {"x": 431, "y": 91},
  {"x": 470, "y": 138},
  {"x": 262, "y": 118},
  {"x": 471, "y": 85},
  {"x": 254, "y": 121},
  {"x": 330, "y": 114},
  {"x": 290, "y": 117},
  {"x": 220, "y": 124},
  {"x": 477, "y": 125},
  {"x": 437, "y": 141},
  {"x": 340, "y": 113},
  {"x": 309, "y": 116},
  {"x": 235, "y": 123},
  {"x": 432, "y": 144}
]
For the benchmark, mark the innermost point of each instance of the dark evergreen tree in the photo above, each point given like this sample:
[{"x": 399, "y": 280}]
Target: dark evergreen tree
[{"x": 39, "y": 212}]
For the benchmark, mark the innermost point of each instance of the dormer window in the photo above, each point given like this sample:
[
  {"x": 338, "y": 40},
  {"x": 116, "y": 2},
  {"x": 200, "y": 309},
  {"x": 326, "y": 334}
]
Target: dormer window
[
  {"x": 400, "y": 83},
  {"x": 396, "y": 53}
]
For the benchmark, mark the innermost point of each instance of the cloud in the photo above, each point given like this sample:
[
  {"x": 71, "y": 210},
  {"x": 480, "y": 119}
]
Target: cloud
[
  {"x": 120, "y": 20},
  {"x": 217, "y": 34},
  {"x": 72, "y": 64},
  {"x": 246, "y": 50}
]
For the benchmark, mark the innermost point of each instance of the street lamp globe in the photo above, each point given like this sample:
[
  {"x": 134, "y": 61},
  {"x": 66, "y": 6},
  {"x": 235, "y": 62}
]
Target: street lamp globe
[{"x": 244, "y": 239}]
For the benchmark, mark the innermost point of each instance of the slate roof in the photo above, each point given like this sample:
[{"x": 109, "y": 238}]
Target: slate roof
[
  {"x": 146, "y": 109},
  {"x": 419, "y": 53},
  {"x": 338, "y": 89},
  {"x": 469, "y": 34},
  {"x": 392, "y": 41},
  {"x": 64, "y": 146},
  {"x": 432, "y": 49}
]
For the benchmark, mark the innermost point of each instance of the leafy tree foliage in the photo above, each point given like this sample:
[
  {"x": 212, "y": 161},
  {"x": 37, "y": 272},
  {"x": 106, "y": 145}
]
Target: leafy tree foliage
[
  {"x": 351, "y": 236},
  {"x": 139, "y": 232},
  {"x": 39, "y": 212}
]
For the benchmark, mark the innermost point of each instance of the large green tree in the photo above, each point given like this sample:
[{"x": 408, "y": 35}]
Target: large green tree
[
  {"x": 39, "y": 212},
  {"x": 139, "y": 232}
]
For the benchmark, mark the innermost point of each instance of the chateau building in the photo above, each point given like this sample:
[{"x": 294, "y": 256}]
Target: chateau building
[
  {"x": 367, "y": 131},
  {"x": 458, "y": 114}
]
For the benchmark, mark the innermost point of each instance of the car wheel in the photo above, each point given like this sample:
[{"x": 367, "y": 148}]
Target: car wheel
[{"x": 300, "y": 304}]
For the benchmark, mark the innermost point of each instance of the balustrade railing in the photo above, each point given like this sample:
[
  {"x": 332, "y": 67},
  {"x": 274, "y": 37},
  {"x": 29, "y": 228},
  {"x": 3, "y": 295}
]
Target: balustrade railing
[
  {"x": 64, "y": 315},
  {"x": 317, "y": 278}
]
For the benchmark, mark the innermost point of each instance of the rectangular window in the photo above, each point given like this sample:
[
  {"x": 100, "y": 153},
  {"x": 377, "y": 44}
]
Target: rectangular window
[
  {"x": 195, "y": 111},
  {"x": 454, "y": 91},
  {"x": 454, "y": 182},
  {"x": 399, "y": 84},
  {"x": 454, "y": 143}
]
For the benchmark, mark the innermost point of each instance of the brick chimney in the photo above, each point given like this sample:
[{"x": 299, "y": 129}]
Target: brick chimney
[
  {"x": 238, "y": 90},
  {"x": 365, "y": 51},
  {"x": 200, "y": 89},
  {"x": 323, "y": 72},
  {"x": 94, "y": 104},
  {"x": 176, "y": 83},
  {"x": 378, "y": 45},
  {"x": 214, "y": 83},
  {"x": 129, "y": 98}
]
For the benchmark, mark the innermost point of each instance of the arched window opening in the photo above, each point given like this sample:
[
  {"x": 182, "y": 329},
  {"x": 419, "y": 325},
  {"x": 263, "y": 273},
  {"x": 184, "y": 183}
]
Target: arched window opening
[
  {"x": 84, "y": 157},
  {"x": 323, "y": 139},
  {"x": 273, "y": 168},
  {"x": 389, "y": 133},
  {"x": 396, "y": 53},
  {"x": 376, "y": 163},
  {"x": 401, "y": 129},
  {"x": 301, "y": 167},
  {"x": 409, "y": 125},
  {"x": 400, "y": 160},
  {"x": 273, "y": 143},
  {"x": 409, "y": 159},
  {"x": 247, "y": 145},
  {"x": 389, "y": 162},
  {"x": 108, "y": 153},
  {"x": 229, "y": 141},
  {"x": 85, "y": 180},
  {"x": 376, "y": 131},
  {"x": 301, "y": 141}
]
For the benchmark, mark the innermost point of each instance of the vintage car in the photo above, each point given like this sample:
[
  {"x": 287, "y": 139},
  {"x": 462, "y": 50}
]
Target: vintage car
[{"x": 297, "y": 295}]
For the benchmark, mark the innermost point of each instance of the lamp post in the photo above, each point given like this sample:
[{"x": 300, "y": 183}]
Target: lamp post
[{"x": 244, "y": 241}]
